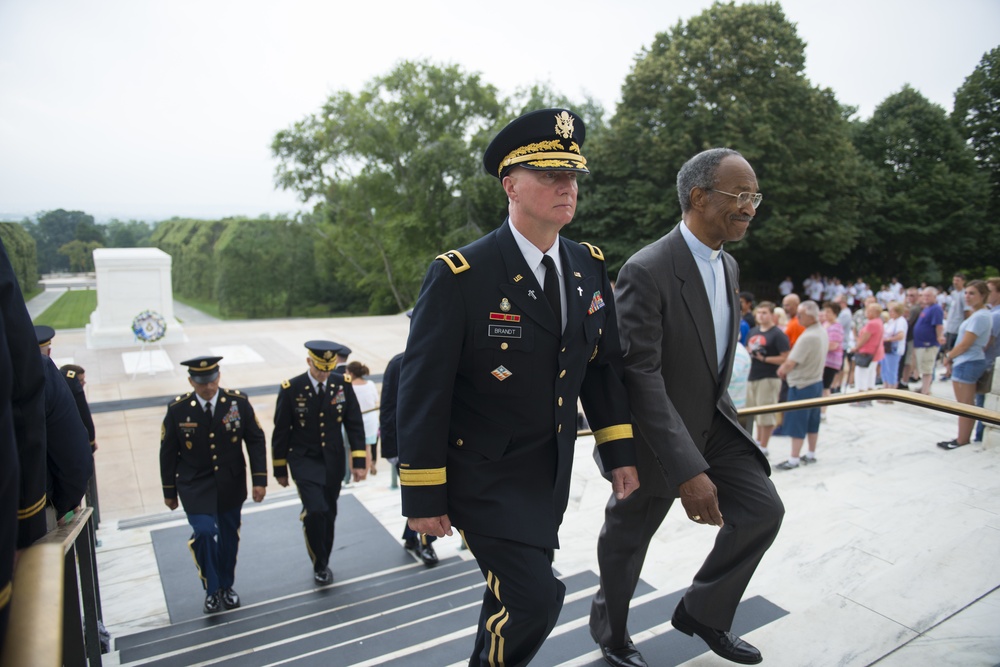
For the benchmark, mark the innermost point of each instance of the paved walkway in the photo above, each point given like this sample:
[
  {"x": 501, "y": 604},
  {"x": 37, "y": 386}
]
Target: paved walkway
[
  {"x": 887, "y": 554},
  {"x": 42, "y": 301}
]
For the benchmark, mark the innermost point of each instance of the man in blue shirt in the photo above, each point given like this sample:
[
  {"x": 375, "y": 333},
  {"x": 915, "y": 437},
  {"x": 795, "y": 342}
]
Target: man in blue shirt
[{"x": 928, "y": 337}]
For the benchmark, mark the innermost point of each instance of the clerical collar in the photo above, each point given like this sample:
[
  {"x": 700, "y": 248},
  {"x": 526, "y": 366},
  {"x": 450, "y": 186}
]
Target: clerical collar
[{"x": 698, "y": 249}]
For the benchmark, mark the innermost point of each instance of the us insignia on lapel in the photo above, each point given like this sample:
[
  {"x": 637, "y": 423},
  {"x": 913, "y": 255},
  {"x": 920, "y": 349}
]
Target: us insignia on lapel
[{"x": 596, "y": 303}]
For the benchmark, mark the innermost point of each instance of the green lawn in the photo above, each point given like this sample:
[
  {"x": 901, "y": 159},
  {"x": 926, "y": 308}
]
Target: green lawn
[
  {"x": 206, "y": 306},
  {"x": 70, "y": 311}
]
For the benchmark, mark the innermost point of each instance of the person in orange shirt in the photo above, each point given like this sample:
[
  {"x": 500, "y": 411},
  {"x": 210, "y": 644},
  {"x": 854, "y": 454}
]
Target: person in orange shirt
[{"x": 793, "y": 329}]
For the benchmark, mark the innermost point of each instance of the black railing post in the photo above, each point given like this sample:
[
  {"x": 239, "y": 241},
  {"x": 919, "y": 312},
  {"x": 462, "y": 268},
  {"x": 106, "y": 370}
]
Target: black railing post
[
  {"x": 72, "y": 639},
  {"x": 90, "y": 590}
]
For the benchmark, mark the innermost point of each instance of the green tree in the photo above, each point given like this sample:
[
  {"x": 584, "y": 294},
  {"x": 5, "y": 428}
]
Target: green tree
[
  {"x": 131, "y": 234},
  {"x": 731, "y": 76},
  {"x": 55, "y": 229},
  {"x": 80, "y": 254},
  {"x": 191, "y": 246},
  {"x": 396, "y": 174},
  {"x": 977, "y": 112},
  {"x": 21, "y": 251},
  {"x": 265, "y": 268},
  {"x": 89, "y": 231},
  {"x": 930, "y": 214}
]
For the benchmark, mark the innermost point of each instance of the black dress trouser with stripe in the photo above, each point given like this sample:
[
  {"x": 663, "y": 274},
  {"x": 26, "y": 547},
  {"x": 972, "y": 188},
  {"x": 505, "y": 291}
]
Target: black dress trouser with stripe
[{"x": 521, "y": 604}]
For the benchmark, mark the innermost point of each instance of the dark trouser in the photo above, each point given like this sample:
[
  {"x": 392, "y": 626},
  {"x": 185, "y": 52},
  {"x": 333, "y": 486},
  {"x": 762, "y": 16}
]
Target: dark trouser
[
  {"x": 751, "y": 510},
  {"x": 521, "y": 603},
  {"x": 214, "y": 544},
  {"x": 319, "y": 512}
]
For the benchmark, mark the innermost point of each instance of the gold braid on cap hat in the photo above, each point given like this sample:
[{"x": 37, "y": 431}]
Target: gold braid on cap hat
[
  {"x": 543, "y": 150},
  {"x": 322, "y": 364}
]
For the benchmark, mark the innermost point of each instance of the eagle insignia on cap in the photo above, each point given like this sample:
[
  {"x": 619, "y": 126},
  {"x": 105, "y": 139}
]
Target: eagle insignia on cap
[
  {"x": 327, "y": 355},
  {"x": 203, "y": 363},
  {"x": 564, "y": 125}
]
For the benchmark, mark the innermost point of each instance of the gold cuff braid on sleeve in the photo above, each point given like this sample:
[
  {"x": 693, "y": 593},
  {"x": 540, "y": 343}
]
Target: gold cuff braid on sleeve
[
  {"x": 617, "y": 432},
  {"x": 425, "y": 477},
  {"x": 31, "y": 511}
]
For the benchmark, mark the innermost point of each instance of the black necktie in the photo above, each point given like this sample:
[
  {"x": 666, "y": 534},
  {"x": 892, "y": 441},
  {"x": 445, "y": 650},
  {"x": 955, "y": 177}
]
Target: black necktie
[
  {"x": 208, "y": 410},
  {"x": 551, "y": 286},
  {"x": 320, "y": 391}
]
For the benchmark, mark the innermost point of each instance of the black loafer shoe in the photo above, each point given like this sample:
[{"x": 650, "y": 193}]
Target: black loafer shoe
[
  {"x": 324, "y": 577},
  {"x": 949, "y": 444},
  {"x": 212, "y": 603},
  {"x": 230, "y": 600},
  {"x": 427, "y": 554},
  {"x": 411, "y": 544},
  {"x": 626, "y": 656},
  {"x": 722, "y": 643}
]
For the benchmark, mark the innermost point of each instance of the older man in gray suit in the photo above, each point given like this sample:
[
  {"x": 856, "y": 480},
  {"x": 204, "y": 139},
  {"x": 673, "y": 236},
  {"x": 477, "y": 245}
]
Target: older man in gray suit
[{"x": 678, "y": 315}]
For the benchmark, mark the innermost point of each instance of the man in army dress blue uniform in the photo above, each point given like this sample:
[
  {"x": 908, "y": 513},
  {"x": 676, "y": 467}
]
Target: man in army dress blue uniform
[
  {"x": 308, "y": 416},
  {"x": 201, "y": 460},
  {"x": 521, "y": 324},
  {"x": 68, "y": 454}
]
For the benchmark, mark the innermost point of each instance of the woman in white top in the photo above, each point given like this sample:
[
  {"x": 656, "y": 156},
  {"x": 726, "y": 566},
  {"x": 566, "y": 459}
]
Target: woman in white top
[
  {"x": 368, "y": 401},
  {"x": 894, "y": 339}
]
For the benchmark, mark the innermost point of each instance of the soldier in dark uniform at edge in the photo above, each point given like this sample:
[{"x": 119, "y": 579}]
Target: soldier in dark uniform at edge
[
  {"x": 201, "y": 460},
  {"x": 310, "y": 410},
  {"x": 522, "y": 324},
  {"x": 22, "y": 433},
  {"x": 76, "y": 379},
  {"x": 69, "y": 457},
  {"x": 420, "y": 545}
]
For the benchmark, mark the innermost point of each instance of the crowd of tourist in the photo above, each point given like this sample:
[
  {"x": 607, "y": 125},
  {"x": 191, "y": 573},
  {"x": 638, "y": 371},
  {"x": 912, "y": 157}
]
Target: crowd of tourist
[{"x": 863, "y": 338}]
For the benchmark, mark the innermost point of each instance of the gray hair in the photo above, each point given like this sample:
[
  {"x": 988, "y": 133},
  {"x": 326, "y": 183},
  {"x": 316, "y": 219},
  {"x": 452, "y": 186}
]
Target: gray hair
[
  {"x": 810, "y": 309},
  {"x": 700, "y": 172},
  {"x": 932, "y": 290}
]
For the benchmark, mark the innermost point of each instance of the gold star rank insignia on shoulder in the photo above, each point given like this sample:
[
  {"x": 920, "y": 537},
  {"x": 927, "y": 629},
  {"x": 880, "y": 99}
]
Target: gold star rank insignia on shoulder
[{"x": 501, "y": 373}]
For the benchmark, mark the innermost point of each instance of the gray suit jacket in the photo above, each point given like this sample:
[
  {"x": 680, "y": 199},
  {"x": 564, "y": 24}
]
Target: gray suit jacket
[{"x": 674, "y": 384}]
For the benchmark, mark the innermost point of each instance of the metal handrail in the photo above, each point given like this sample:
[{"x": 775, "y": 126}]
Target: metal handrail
[
  {"x": 47, "y": 626},
  {"x": 911, "y": 397}
]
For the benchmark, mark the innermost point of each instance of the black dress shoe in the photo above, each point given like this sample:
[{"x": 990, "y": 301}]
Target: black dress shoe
[
  {"x": 212, "y": 603},
  {"x": 411, "y": 544},
  {"x": 722, "y": 643},
  {"x": 626, "y": 656},
  {"x": 230, "y": 600},
  {"x": 323, "y": 577},
  {"x": 427, "y": 554}
]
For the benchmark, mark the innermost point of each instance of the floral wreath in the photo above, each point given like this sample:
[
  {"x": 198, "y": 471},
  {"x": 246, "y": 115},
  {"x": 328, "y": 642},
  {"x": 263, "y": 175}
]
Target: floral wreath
[{"x": 149, "y": 326}]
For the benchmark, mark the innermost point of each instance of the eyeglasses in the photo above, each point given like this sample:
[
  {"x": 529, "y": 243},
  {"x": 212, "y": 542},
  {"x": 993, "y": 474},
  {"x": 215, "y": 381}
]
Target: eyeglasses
[{"x": 744, "y": 198}]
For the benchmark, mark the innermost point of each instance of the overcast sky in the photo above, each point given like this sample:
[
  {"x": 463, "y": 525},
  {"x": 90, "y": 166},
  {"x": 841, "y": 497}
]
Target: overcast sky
[{"x": 142, "y": 109}]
